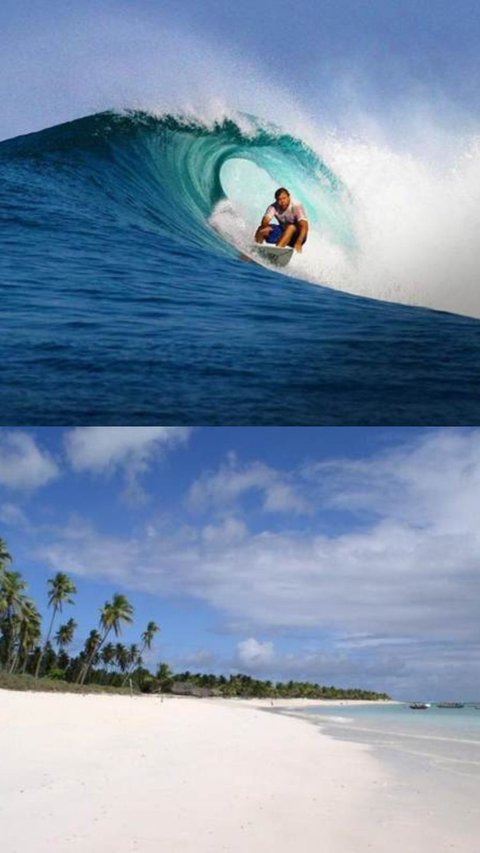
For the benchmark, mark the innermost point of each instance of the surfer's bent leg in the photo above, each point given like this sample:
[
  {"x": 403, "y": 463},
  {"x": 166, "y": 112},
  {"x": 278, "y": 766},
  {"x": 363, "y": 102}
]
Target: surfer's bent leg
[
  {"x": 300, "y": 236},
  {"x": 261, "y": 234},
  {"x": 288, "y": 232}
]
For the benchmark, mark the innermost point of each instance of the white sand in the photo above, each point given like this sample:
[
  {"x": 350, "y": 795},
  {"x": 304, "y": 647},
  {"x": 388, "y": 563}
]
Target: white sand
[{"x": 119, "y": 774}]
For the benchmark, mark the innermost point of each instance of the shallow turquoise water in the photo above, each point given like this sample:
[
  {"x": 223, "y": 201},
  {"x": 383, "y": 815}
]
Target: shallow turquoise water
[{"x": 446, "y": 739}]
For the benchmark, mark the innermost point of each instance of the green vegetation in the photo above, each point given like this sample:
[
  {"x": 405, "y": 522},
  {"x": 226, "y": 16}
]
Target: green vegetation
[
  {"x": 60, "y": 590},
  {"x": 247, "y": 687},
  {"x": 51, "y": 684},
  {"x": 28, "y": 664}
]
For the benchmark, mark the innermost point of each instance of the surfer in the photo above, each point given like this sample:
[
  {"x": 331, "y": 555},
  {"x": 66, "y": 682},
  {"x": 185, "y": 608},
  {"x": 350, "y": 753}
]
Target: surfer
[{"x": 292, "y": 229}]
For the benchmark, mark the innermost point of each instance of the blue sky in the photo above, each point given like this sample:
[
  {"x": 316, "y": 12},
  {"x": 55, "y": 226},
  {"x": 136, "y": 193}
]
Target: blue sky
[
  {"x": 63, "y": 59},
  {"x": 343, "y": 555}
]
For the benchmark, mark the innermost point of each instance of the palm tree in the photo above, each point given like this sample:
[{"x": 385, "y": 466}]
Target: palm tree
[
  {"x": 61, "y": 588},
  {"x": 164, "y": 676},
  {"x": 90, "y": 653},
  {"x": 3, "y": 598},
  {"x": 133, "y": 657},
  {"x": 147, "y": 639},
  {"x": 28, "y": 633},
  {"x": 115, "y": 612},
  {"x": 148, "y": 635},
  {"x": 4, "y": 555},
  {"x": 4, "y": 559},
  {"x": 112, "y": 615},
  {"x": 121, "y": 657},
  {"x": 108, "y": 654},
  {"x": 108, "y": 657},
  {"x": 64, "y": 635},
  {"x": 128, "y": 659},
  {"x": 12, "y": 603}
]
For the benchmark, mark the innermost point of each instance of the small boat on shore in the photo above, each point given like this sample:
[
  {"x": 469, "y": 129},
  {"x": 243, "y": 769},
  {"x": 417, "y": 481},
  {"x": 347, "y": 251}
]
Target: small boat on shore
[{"x": 420, "y": 706}]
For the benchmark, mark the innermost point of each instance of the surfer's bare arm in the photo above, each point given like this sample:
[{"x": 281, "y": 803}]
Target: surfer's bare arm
[
  {"x": 263, "y": 229},
  {"x": 301, "y": 235}
]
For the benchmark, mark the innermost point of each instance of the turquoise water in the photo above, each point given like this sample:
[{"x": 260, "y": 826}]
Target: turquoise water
[
  {"x": 444, "y": 739},
  {"x": 124, "y": 299},
  {"x": 425, "y": 776}
]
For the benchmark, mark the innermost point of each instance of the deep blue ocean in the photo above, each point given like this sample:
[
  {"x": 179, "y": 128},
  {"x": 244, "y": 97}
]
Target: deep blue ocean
[{"x": 125, "y": 302}]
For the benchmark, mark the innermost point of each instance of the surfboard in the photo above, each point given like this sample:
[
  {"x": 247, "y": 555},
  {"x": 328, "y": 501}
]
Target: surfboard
[{"x": 279, "y": 256}]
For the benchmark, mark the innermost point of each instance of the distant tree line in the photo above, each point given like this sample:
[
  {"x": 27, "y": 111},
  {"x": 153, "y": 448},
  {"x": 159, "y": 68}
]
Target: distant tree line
[
  {"x": 248, "y": 687},
  {"x": 109, "y": 663}
]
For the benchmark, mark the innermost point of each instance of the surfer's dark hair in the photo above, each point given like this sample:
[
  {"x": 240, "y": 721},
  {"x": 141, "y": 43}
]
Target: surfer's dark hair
[{"x": 280, "y": 191}]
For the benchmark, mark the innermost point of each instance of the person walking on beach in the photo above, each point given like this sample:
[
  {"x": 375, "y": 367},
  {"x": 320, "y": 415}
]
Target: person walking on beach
[{"x": 292, "y": 228}]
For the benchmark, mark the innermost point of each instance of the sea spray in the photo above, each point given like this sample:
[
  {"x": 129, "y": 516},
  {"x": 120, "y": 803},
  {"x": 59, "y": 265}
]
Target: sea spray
[{"x": 402, "y": 228}]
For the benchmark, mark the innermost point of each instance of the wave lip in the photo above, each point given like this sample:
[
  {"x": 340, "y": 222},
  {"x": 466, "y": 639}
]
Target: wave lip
[
  {"x": 174, "y": 169},
  {"x": 383, "y": 225}
]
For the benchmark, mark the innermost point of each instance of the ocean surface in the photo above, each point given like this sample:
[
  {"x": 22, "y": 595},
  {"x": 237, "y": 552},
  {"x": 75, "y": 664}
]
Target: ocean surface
[
  {"x": 426, "y": 794},
  {"x": 125, "y": 299},
  {"x": 447, "y": 740}
]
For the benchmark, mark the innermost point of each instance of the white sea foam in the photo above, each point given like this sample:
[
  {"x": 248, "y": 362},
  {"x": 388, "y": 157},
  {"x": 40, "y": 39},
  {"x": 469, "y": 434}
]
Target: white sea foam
[{"x": 415, "y": 224}]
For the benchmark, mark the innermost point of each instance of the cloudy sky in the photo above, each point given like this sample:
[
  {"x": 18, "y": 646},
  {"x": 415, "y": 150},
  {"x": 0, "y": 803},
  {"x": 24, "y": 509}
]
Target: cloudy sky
[
  {"x": 345, "y": 556},
  {"x": 61, "y": 60}
]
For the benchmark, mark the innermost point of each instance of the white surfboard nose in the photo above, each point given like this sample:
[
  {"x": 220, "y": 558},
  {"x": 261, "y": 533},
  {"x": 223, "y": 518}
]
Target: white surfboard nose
[{"x": 279, "y": 256}]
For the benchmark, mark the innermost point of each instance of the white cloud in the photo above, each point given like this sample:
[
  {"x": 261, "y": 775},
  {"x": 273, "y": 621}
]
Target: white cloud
[
  {"x": 316, "y": 664},
  {"x": 229, "y": 531},
  {"x": 388, "y": 581},
  {"x": 432, "y": 481},
  {"x": 107, "y": 448},
  {"x": 24, "y": 465},
  {"x": 129, "y": 449},
  {"x": 252, "y": 653},
  {"x": 403, "y": 586},
  {"x": 232, "y": 482},
  {"x": 79, "y": 549},
  {"x": 12, "y": 516}
]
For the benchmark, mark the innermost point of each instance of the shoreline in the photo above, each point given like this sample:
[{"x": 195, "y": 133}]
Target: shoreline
[
  {"x": 122, "y": 774},
  {"x": 307, "y": 703}
]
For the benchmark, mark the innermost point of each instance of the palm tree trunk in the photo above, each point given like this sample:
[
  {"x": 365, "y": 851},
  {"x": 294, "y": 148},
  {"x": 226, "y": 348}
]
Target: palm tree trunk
[
  {"x": 14, "y": 661},
  {"x": 129, "y": 671},
  {"x": 40, "y": 659},
  {"x": 9, "y": 644},
  {"x": 88, "y": 662}
]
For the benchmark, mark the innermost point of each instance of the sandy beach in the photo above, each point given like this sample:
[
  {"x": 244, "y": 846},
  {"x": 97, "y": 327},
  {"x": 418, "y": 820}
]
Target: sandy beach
[{"x": 114, "y": 773}]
